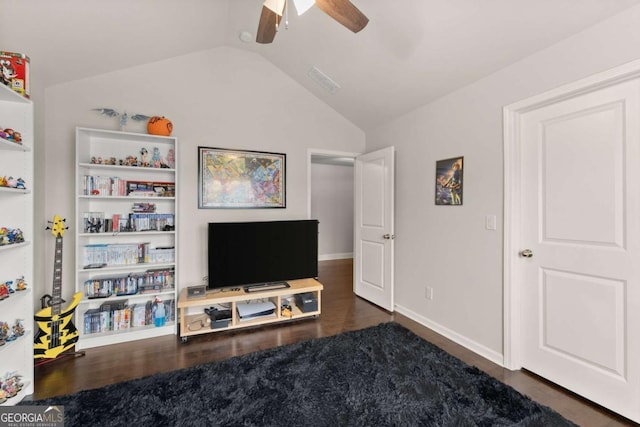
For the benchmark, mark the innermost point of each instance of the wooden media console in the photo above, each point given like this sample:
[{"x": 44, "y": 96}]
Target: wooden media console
[{"x": 194, "y": 321}]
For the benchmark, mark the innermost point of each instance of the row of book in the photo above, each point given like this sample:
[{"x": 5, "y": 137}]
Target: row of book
[
  {"x": 150, "y": 281},
  {"x": 102, "y": 254},
  {"x": 95, "y": 222},
  {"x": 115, "y": 316},
  {"x": 95, "y": 185}
]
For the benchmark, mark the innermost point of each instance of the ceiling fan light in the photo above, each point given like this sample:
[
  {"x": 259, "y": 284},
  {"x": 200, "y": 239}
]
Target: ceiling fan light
[
  {"x": 276, "y": 6},
  {"x": 303, "y": 5}
]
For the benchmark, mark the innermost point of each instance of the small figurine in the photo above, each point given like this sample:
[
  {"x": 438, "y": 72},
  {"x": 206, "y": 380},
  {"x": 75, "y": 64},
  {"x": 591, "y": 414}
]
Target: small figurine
[
  {"x": 94, "y": 225},
  {"x": 12, "y": 135},
  {"x": 12, "y": 385},
  {"x": 21, "y": 285},
  {"x": 9, "y": 283},
  {"x": 11, "y": 336},
  {"x": 3, "y": 181},
  {"x": 16, "y": 236},
  {"x": 143, "y": 157},
  {"x": 171, "y": 158},
  {"x": 131, "y": 161},
  {"x": 12, "y": 182},
  {"x": 18, "y": 328},
  {"x": 156, "y": 160},
  {"x": 4, "y": 291},
  {"x": 4, "y": 330},
  {"x": 20, "y": 184}
]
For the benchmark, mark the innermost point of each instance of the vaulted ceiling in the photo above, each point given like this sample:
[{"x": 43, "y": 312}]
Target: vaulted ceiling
[{"x": 410, "y": 53}]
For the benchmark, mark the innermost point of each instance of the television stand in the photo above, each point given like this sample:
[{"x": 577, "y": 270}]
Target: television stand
[
  {"x": 269, "y": 286},
  {"x": 194, "y": 321}
]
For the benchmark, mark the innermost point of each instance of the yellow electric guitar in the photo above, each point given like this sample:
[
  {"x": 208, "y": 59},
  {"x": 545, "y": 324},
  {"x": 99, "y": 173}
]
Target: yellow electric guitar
[{"x": 57, "y": 333}]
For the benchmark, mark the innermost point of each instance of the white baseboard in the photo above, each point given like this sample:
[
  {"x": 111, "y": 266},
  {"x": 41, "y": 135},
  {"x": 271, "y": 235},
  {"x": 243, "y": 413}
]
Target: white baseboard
[
  {"x": 479, "y": 349},
  {"x": 327, "y": 257}
]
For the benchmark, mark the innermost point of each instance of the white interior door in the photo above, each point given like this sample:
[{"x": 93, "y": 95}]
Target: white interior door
[
  {"x": 578, "y": 267},
  {"x": 373, "y": 248}
]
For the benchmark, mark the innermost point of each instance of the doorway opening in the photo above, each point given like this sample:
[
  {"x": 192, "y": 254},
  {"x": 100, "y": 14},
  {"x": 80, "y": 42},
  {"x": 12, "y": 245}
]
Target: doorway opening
[{"x": 331, "y": 201}]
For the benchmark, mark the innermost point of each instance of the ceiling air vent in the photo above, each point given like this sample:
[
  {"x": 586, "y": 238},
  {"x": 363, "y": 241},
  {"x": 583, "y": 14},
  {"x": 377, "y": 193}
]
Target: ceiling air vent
[{"x": 323, "y": 80}]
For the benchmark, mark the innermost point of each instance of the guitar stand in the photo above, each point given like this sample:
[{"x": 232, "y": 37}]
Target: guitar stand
[{"x": 63, "y": 355}]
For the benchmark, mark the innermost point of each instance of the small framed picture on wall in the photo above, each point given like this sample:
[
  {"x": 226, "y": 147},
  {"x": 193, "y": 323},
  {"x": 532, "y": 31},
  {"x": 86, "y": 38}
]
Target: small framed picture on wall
[{"x": 449, "y": 181}]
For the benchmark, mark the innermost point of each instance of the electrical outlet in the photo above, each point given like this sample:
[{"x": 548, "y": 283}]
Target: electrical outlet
[{"x": 428, "y": 293}]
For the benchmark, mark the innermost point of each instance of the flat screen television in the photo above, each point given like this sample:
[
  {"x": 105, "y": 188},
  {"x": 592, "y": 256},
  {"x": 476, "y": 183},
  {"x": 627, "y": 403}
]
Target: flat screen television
[{"x": 249, "y": 253}]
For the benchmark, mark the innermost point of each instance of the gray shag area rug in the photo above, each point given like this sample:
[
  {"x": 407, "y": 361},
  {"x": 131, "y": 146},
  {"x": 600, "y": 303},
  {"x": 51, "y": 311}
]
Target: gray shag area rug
[{"x": 380, "y": 376}]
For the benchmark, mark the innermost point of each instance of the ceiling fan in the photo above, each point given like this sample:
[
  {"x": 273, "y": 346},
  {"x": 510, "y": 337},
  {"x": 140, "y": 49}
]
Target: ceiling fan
[{"x": 342, "y": 11}]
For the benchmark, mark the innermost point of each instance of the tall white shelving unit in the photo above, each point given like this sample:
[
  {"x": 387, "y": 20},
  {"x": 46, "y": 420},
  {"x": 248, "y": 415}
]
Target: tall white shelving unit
[
  {"x": 103, "y": 146},
  {"x": 16, "y": 260}
]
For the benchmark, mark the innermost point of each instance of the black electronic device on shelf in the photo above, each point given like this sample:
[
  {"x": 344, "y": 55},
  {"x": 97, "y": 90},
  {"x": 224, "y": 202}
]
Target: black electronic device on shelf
[
  {"x": 261, "y": 252},
  {"x": 218, "y": 318}
]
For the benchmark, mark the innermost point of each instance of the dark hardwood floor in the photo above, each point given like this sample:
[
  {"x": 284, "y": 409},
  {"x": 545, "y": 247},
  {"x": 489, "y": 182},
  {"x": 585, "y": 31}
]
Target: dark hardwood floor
[{"x": 341, "y": 311}]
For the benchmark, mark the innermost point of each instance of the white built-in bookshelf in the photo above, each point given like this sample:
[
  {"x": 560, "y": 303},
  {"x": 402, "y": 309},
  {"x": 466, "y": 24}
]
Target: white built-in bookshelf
[
  {"x": 16, "y": 260},
  {"x": 126, "y": 235}
]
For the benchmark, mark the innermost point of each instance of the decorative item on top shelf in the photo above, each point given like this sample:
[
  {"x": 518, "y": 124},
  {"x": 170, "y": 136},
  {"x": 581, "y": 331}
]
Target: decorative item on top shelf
[
  {"x": 124, "y": 117},
  {"x": 159, "y": 126},
  {"x": 14, "y": 72},
  {"x": 156, "y": 160}
]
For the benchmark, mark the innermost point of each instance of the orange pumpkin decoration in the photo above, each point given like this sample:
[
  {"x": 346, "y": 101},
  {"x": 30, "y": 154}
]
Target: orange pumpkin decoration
[{"x": 159, "y": 126}]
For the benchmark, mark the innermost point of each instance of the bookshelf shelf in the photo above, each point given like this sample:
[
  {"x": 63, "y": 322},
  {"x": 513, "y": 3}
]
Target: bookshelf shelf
[
  {"x": 9, "y": 190},
  {"x": 12, "y": 146},
  {"x": 125, "y": 169},
  {"x": 115, "y": 214},
  {"x": 14, "y": 246},
  {"x": 27, "y": 389},
  {"x": 116, "y": 337},
  {"x": 17, "y": 260},
  {"x": 118, "y": 234},
  {"x": 129, "y": 267},
  {"x": 133, "y": 297}
]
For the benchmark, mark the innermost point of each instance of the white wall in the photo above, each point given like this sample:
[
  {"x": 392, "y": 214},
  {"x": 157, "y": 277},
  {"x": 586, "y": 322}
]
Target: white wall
[
  {"x": 218, "y": 98},
  {"x": 448, "y": 248},
  {"x": 332, "y": 204}
]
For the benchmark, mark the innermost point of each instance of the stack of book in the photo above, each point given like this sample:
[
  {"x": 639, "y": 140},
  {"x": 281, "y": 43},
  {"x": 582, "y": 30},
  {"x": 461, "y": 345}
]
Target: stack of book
[
  {"x": 119, "y": 315},
  {"x": 150, "y": 281},
  {"x": 95, "y": 185}
]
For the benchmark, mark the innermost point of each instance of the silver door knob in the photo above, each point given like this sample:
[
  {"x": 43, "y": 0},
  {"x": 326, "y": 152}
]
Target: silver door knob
[
  {"x": 388, "y": 236},
  {"x": 526, "y": 253}
]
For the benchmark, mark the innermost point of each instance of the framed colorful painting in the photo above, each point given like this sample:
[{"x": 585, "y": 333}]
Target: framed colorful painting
[
  {"x": 449, "y": 182},
  {"x": 240, "y": 179}
]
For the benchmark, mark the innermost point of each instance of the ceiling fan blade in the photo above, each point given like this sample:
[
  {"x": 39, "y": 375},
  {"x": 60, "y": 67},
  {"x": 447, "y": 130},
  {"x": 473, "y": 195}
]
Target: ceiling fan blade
[
  {"x": 345, "y": 13},
  {"x": 269, "y": 20}
]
